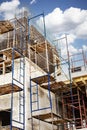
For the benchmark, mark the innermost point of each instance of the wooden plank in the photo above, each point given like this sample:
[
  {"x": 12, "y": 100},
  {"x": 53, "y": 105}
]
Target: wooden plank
[
  {"x": 78, "y": 81},
  {"x": 56, "y": 122},
  {"x": 1, "y": 59},
  {"x": 8, "y": 53},
  {"x": 46, "y": 116},
  {"x": 7, "y": 63},
  {"x": 7, "y": 88},
  {"x": 7, "y": 128},
  {"x": 82, "y": 80},
  {"x": 52, "y": 118},
  {"x": 43, "y": 79},
  {"x": 55, "y": 86},
  {"x": 5, "y": 26}
]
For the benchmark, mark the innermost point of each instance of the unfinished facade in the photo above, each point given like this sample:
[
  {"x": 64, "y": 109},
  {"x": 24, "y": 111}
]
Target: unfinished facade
[{"x": 34, "y": 93}]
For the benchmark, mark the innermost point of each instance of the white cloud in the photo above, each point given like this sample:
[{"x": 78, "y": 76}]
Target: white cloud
[
  {"x": 71, "y": 38},
  {"x": 84, "y": 47},
  {"x": 9, "y": 8},
  {"x": 81, "y": 30},
  {"x": 33, "y": 2},
  {"x": 74, "y": 15},
  {"x": 72, "y": 21}
]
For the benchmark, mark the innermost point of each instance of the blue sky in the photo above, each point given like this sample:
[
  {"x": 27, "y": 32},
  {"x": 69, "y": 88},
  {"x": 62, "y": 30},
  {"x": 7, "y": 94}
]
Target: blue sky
[
  {"x": 61, "y": 16},
  {"x": 49, "y": 5}
]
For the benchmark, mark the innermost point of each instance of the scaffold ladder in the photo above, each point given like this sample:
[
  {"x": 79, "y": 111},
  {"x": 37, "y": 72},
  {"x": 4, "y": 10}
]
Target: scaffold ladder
[
  {"x": 18, "y": 123},
  {"x": 34, "y": 96},
  {"x": 22, "y": 93}
]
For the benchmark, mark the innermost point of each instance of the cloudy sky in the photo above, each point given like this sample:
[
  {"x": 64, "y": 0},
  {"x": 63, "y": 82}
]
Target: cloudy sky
[{"x": 61, "y": 17}]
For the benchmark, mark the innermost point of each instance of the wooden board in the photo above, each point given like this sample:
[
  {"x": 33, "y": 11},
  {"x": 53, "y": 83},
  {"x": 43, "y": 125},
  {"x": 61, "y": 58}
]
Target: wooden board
[
  {"x": 7, "y": 128},
  {"x": 52, "y": 84},
  {"x": 55, "y": 86},
  {"x": 59, "y": 121},
  {"x": 43, "y": 79},
  {"x": 1, "y": 59},
  {"x": 7, "y": 88},
  {"x": 5, "y": 26},
  {"x": 80, "y": 80},
  {"x": 8, "y": 53},
  {"x": 46, "y": 116},
  {"x": 51, "y": 118}
]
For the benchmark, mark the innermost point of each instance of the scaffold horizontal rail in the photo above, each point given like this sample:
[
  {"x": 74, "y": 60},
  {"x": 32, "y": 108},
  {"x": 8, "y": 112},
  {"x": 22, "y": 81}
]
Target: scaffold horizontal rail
[{"x": 42, "y": 79}]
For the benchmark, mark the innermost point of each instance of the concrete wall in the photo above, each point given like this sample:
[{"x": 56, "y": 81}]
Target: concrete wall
[
  {"x": 5, "y": 100},
  {"x": 43, "y": 99}
]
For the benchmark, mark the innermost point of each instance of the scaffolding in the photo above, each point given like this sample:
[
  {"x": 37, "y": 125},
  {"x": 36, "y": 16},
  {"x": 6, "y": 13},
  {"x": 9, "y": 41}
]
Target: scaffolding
[
  {"x": 40, "y": 46},
  {"x": 20, "y": 39},
  {"x": 78, "y": 61},
  {"x": 48, "y": 82},
  {"x": 72, "y": 98},
  {"x": 13, "y": 44},
  {"x": 20, "y": 45},
  {"x": 78, "y": 105},
  {"x": 20, "y": 121}
]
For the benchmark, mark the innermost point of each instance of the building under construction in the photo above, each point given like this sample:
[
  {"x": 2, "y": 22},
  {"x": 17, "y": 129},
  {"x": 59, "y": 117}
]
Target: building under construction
[{"x": 35, "y": 93}]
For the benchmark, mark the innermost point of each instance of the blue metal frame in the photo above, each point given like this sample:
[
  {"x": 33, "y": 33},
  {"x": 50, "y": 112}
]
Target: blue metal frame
[
  {"x": 21, "y": 85},
  {"x": 21, "y": 93},
  {"x": 37, "y": 85},
  {"x": 20, "y": 81},
  {"x": 31, "y": 95},
  {"x": 12, "y": 90},
  {"x": 42, "y": 14}
]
